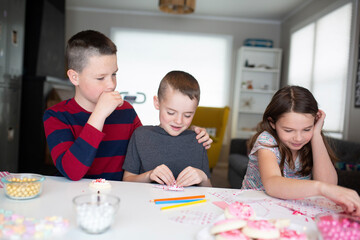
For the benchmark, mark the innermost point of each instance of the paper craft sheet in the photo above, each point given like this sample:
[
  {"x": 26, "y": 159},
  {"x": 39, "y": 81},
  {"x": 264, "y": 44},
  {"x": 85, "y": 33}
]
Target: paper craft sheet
[
  {"x": 194, "y": 217},
  {"x": 309, "y": 207}
]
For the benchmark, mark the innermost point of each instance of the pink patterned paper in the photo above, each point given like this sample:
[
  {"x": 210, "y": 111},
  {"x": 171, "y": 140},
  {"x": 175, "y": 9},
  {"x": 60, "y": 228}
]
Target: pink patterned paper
[
  {"x": 311, "y": 206},
  {"x": 3, "y": 174},
  {"x": 231, "y": 196},
  {"x": 194, "y": 217},
  {"x": 221, "y": 204},
  {"x": 228, "y": 196},
  {"x": 169, "y": 188},
  {"x": 308, "y": 207}
]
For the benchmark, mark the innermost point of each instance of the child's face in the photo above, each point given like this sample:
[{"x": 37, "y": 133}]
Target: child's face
[
  {"x": 294, "y": 129},
  {"x": 176, "y": 111},
  {"x": 97, "y": 77}
]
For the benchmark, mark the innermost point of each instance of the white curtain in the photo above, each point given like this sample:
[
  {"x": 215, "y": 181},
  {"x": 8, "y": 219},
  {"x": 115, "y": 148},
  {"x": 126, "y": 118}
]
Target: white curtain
[
  {"x": 144, "y": 57},
  {"x": 319, "y": 58}
]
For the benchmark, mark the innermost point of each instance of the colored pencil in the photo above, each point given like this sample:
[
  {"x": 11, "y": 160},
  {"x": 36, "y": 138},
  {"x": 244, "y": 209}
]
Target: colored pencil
[
  {"x": 178, "y": 198},
  {"x": 183, "y": 204},
  {"x": 178, "y": 201}
]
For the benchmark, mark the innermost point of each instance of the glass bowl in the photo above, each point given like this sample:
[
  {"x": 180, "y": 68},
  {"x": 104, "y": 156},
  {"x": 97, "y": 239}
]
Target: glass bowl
[
  {"x": 338, "y": 226},
  {"x": 23, "y": 185},
  {"x": 95, "y": 213}
]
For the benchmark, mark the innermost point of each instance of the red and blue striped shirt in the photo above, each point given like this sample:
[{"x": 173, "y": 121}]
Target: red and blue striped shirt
[{"x": 79, "y": 150}]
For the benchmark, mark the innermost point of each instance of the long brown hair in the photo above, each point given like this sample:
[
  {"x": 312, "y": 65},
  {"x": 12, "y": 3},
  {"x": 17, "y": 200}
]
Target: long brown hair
[{"x": 291, "y": 99}]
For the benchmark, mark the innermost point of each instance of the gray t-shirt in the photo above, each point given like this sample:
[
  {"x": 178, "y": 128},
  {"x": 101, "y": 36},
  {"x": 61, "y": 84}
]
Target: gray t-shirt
[{"x": 151, "y": 146}]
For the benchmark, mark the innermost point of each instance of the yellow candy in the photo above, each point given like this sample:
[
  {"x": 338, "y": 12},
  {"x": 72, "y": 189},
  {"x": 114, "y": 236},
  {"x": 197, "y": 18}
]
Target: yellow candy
[{"x": 26, "y": 189}]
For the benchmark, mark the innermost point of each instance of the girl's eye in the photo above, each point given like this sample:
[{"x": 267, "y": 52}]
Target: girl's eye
[
  {"x": 287, "y": 131},
  {"x": 307, "y": 130},
  {"x": 170, "y": 113},
  {"x": 114, "y": 74},
  {"x": 188, "y": 116},
  {"x": 100, "y": 78}
]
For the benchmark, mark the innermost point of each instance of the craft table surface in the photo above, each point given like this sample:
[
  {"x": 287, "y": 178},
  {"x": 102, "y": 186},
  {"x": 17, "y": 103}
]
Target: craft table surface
[{"x": 137, "y": 217}]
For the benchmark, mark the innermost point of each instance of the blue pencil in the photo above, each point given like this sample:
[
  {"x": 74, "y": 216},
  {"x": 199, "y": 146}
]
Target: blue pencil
[{"x": 177, "y": 201}]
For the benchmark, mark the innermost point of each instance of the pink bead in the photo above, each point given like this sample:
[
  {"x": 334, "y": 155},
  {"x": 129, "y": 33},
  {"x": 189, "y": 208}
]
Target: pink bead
[{"x": 343, "y": 228}]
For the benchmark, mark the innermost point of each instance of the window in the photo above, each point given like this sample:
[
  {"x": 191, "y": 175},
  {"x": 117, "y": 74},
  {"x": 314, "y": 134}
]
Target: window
[
  {"x": 144, "y": 57},
  {"x": 319, "y": 57}
]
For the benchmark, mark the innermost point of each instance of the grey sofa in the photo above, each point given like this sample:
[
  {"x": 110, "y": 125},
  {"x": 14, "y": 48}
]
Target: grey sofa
[{"x": 347, "y": 152}]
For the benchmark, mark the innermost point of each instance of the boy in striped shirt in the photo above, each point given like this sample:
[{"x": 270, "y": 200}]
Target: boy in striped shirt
[{"x": 88, "y": 134}]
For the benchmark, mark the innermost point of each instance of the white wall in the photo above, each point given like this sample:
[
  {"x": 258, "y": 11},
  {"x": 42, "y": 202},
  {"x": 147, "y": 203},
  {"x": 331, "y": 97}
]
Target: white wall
[
  {"x": 315, "y": 8},
  {"x": 240, "y": 29}
]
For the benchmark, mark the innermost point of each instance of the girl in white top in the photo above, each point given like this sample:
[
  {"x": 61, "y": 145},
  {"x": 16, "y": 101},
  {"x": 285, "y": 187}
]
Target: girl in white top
[{"x": 290, "y": 157}]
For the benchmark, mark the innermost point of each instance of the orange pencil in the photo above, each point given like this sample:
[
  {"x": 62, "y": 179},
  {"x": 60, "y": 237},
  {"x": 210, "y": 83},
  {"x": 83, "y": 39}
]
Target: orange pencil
[{"x": 178, "y": 198}]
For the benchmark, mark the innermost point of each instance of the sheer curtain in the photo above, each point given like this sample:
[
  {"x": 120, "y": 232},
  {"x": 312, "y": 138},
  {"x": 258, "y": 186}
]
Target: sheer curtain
[
  {"x": 144, "y": 57},
  {"x": 319, "y": 58}
]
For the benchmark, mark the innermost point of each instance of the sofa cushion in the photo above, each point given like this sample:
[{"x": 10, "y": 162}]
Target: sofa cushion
[
  {"x": 347, "y": 151},
  {"x": 238, "y": 146},
  {"x": 347, "y": 166},
  {"x": 239, "y": 163},
  {"x": 235, "y": 179},
  {"x": 237, "y": 167},
  {"x": 349, "y": 179}
]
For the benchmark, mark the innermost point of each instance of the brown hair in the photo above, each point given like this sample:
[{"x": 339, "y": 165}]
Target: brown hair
[
  {"x": 181, "y": 81},
  {"x": 291, "y": 99},
  {"x": 86, "y": 44}
]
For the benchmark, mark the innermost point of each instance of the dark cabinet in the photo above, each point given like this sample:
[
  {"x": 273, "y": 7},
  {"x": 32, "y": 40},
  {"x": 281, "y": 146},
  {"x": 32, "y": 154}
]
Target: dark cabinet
[{"x": 12, "y": 17}]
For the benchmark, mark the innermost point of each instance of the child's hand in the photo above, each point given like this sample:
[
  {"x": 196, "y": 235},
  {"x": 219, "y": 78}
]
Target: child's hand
[
  {"x": 319, "y": 121},
  {"x": 108, "y": 102},
  {"x": 202, "y": 136},
  {"x": 347, "y": 198},
  {"x": 163, "y": 175},
  {"x": 190, "y": 176},
  {"x": 105, "y": 105}
]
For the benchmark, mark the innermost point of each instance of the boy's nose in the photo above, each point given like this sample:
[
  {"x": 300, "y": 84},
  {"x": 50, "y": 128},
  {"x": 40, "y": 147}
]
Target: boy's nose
[
  {"x": 110, "y": 84},
  {"x": 178, "y": 119}
]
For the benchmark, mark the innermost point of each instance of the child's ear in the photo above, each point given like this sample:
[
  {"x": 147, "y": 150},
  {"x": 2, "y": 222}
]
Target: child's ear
[
  {"x": 271, "y": 122},
  {"x": 73, "y": 77},
  {"x": 156, "y": 102}
]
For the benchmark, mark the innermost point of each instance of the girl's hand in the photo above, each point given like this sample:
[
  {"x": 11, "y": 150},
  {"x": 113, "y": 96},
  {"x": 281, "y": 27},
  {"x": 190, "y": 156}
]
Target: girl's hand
[
  {"x": 190, "y": 176},
  {"x": 163, "y": 175},
  {"x": 202, "y": 136},
  {"x": 347, "y": 198},
  {"x": 319, "y": 121}
]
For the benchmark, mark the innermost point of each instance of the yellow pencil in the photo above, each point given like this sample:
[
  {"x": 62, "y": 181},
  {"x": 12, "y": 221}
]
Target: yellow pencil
[
  {"x": 183, "y": 204},
  {"x": 177, "y": 198}
]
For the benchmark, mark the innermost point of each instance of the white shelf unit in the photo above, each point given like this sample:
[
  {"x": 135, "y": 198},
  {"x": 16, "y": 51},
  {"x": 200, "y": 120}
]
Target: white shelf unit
[{"x": 261, "y": 67}]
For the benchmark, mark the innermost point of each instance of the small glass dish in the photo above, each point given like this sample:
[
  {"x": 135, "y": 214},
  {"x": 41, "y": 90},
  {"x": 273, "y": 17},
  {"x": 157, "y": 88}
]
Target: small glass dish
[
  {"x": 338, "y": 226},
  {"x": 23, "y": 186},
  {"x": 95, "y": 213}
]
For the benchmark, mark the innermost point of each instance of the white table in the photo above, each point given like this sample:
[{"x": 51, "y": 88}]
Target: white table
[{"x": 137, "y": 217}]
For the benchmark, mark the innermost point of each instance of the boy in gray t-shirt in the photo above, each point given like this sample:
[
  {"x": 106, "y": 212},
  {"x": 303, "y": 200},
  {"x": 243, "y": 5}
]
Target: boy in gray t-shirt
[{"x": 169, "y": 153}]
